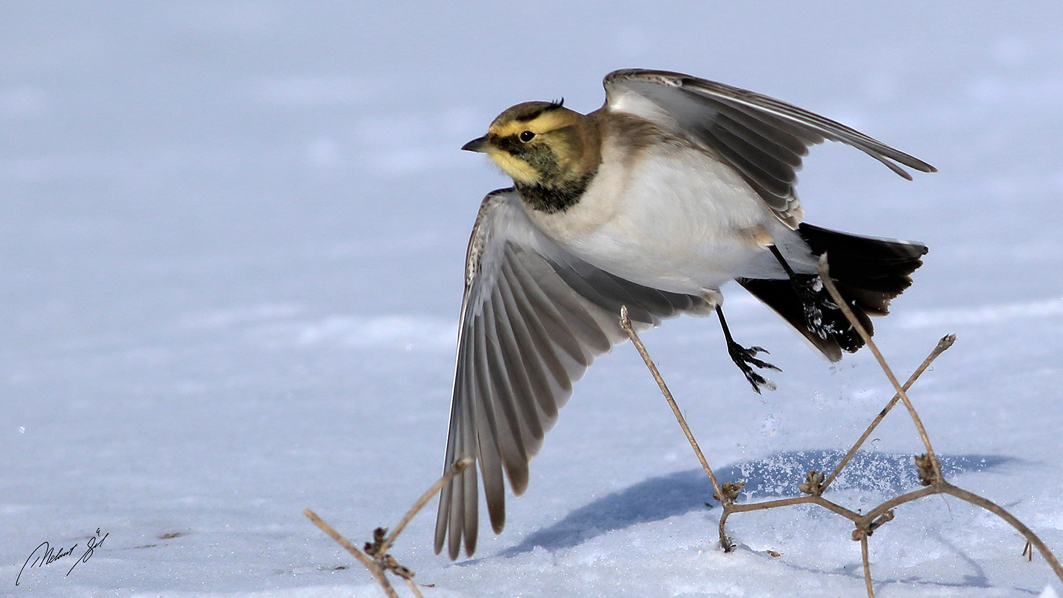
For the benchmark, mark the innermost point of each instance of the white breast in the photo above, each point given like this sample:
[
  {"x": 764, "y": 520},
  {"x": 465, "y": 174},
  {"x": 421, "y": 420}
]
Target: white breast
[{"x": 676, "y": 219}]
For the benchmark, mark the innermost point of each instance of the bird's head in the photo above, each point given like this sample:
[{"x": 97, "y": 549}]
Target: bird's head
[{"x": 541, "y": 143}]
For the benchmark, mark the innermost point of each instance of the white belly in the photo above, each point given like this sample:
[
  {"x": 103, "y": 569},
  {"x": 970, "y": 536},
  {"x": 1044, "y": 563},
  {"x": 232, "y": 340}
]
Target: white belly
[{"x": 677, "y": 220}]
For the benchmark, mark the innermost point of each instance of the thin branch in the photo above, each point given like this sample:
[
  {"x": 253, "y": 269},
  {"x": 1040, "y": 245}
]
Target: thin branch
[
  {"x": 999, "y": 511},
  {"x": 824, "y": 274},
  {"x": 831, "y": 506},
  {"x": 367, "y": 562},
  {"x": 770, "y": 504},
  {"x": 381, "y": 561},
  {"x": 413, "y": 587},
  {"x": 941, "y": 347},
  {"x": 867, "y": 566},
  {"x": 866, "y": 524},
  {"x": 725, "y": 542},
  {"x": 625, "y": 324},
  {"x": 943, "y": 487},
  {"x": 896, "y": 501},
  {"x": 797, "y": 500},
  {"x": 421, "y": 502}
]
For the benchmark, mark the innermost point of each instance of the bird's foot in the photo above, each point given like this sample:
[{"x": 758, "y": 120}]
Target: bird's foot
[
  {"x": 746, "y": 360},
  {"x": 819, "y": 307}
]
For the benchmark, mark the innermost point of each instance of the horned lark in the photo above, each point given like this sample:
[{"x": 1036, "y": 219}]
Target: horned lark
[{"x": 672, "y": 188}]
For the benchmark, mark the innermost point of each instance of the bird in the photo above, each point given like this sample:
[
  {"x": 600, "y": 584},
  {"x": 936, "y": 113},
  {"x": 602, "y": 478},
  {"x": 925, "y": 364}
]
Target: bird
[{"x": 675, "y": 186}]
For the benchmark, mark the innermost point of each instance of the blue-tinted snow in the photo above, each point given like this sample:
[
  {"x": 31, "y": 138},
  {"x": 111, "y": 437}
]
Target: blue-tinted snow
[{"x": 231, "y": 244}]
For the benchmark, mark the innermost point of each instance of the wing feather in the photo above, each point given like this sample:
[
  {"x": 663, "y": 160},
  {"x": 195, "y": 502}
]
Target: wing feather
[
  {"x": 533, "y": 319},
  {"x": 763, "y": 138},
  {"x": 559, "y": 330},
  {"x": 478, "y": 389},
  {"x": 539, "y": 350},
  {"x": 511, "y": 435},
  {"x": 520, "y": 373}
]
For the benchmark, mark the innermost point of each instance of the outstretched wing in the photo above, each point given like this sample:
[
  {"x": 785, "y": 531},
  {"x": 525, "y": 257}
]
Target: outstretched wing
[
  {"x": 533, "y": 319},
  {"x": 761, "y": 137}
]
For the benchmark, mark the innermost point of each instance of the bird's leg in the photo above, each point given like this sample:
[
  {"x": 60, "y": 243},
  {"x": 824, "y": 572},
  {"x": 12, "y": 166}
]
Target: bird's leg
[
  {"x": 746, "y": 359},
  {"x": 810, "y": 291}
]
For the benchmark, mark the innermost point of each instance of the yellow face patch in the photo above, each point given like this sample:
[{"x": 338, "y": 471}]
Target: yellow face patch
[
  {"x": 544, "y": 123},
  {"x": 517, "y": 169},
  {"x": 549, "y": 154}
]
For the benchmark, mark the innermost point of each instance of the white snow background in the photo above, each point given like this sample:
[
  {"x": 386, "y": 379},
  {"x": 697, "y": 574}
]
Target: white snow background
[{"x": 231, "y": 247}]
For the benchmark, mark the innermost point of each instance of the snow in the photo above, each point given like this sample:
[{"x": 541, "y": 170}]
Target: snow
[{"x": 232, "y": 239}]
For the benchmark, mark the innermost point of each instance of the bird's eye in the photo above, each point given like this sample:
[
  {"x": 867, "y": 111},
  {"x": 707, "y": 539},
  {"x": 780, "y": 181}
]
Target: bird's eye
[{"x": 527, "y": 136}]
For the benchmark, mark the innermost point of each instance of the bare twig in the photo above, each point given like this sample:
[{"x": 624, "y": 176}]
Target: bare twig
[
  {"x": 867, "y": 565},
  {"x": 381, "y": 561},
  {"x": 824, "y": 274},
  {"x": 421, "y": 502},
  {"x": 999, "y": 511},
  {"x": 933, "y": 479},
  {"x": 413, "y": 587},
  {"x": 625, "y": 324},
  {"x": 799, "y": 500},
  {"x": 928, "y": 465},
  {"x": 895, "y": 502},
  {"x": 368, "y": 563},
  {"x": 941, "y": 347}
]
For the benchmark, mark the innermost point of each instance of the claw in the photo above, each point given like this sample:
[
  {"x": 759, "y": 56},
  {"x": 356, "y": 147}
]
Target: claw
[{"x": 745, "y": 358}]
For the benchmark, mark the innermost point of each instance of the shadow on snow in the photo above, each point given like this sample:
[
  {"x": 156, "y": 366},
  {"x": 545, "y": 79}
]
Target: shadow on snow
[{"x": 776, "y": 476}]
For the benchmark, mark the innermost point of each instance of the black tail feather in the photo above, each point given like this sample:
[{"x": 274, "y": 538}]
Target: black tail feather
[{"x": 868, "y": 272}]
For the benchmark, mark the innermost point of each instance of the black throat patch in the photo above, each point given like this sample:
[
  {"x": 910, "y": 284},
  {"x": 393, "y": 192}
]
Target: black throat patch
[{"x": 556, "y": 197}]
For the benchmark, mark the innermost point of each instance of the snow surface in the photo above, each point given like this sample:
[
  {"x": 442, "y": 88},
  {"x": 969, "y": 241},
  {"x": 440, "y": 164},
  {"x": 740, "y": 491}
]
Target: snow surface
[{"x": 231, "y": 241}]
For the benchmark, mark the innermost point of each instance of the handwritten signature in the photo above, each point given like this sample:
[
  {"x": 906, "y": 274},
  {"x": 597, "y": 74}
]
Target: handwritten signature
[{"x": 46, "y": 554}]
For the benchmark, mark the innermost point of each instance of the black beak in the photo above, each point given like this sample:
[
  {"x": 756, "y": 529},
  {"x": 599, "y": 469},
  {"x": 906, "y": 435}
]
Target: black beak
[{"x": 479, "y": 144}]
